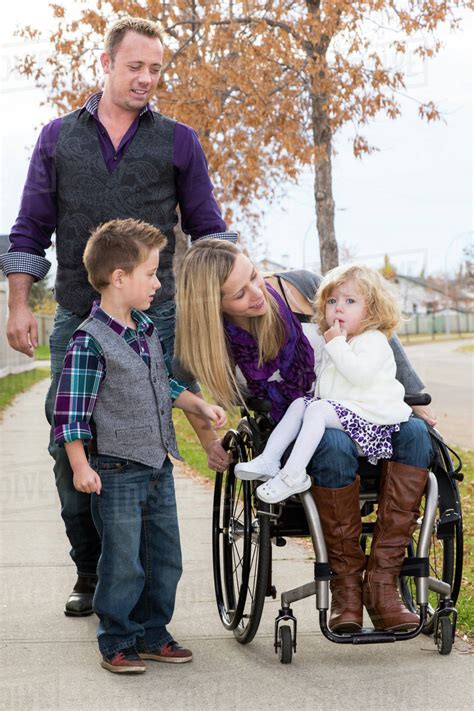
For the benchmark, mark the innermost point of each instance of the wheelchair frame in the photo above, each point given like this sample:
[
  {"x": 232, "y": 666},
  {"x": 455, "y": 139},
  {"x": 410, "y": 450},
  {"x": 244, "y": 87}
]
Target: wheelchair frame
[{"x": 244, "y": 527}]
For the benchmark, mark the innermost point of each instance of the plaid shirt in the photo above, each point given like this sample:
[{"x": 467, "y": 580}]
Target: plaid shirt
[{"x": 84, "y": 370}]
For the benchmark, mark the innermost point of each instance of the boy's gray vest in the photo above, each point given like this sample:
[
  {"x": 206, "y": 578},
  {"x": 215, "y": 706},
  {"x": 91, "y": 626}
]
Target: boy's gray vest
[
  {"x": 141, "y": 187},
  {"x": 132, "y": 415}
]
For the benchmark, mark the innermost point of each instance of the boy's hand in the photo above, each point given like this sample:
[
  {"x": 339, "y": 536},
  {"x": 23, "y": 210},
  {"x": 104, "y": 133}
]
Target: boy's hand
[
  {"x": 214, "y": 413},
  {"x": 87, "y": 481},
  {"x": 335, "y": 331}
]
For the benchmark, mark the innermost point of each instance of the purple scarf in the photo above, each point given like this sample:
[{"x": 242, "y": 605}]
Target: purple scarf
[{"x": 295, "y": 361}]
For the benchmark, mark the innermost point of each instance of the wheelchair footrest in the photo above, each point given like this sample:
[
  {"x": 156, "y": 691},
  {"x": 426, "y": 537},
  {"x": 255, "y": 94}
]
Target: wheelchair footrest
[{"x": 371, "y": 636}]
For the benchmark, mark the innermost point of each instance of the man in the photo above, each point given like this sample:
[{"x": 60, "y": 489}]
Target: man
[{"x": 114, "y": 158}]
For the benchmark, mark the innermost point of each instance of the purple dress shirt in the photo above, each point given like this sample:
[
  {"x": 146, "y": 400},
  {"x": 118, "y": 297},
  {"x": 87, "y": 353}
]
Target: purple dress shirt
[{"x": 31, "y": 234}]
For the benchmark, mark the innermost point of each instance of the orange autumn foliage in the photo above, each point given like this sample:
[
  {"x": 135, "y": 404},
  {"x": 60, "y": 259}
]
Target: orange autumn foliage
[{"x": 266, "y": 83}]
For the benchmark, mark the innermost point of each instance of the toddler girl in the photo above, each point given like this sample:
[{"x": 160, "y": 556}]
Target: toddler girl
[{"x": 356, "y": 390}]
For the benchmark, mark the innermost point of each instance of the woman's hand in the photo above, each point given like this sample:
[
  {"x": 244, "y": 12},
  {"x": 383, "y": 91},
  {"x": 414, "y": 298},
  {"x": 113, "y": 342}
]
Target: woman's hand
[
  {"x": 426, "y": 414},
  {"x": 217, "y": 458}
]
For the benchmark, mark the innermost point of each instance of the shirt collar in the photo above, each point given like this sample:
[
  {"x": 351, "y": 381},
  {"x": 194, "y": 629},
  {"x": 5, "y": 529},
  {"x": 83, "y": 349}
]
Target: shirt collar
[
  {"x": 92, "y": 104},
  {"x": 144, "y": 323}
]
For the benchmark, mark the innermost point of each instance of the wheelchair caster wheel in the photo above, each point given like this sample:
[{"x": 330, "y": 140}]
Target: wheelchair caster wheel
[
  {"x": 285, "y": 644},
  {"x": 444, "y": 635}
]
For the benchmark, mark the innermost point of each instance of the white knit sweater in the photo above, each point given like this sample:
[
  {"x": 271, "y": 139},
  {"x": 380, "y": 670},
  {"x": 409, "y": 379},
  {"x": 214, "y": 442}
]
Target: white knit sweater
[{"x": 360, "y": 375}]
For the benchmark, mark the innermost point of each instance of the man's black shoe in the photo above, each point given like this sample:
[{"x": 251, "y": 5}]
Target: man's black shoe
[{"x": 79, "y": 602}]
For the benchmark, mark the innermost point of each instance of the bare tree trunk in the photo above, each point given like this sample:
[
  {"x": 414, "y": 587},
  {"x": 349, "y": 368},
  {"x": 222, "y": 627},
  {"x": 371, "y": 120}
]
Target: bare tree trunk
[
  {"x": 322, "y": 138},
  {"x": 323, "y": 187}
]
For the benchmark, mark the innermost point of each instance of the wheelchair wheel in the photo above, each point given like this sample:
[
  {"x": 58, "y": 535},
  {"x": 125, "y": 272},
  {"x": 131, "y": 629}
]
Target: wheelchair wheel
[
  {"x": 285, "y": 644},
  {"x": 241, "y": 543},
  {"x": 446, "y": 550},
  {"x": 444, "y": 635}
]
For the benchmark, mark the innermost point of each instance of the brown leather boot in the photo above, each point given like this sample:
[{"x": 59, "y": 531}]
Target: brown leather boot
[
  {"x": 402, "y": 487},
  {"x": 340, "y": 519}
]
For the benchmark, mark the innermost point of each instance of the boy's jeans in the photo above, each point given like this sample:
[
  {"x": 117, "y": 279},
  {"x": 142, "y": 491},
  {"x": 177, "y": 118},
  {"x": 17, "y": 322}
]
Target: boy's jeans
[
  {"x": 140, "y": 564},
  {"x": 75, "y": 506}
]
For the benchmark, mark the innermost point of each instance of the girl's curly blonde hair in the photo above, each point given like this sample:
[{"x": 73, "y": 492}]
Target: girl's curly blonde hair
[{"x": 383, "y": 311}]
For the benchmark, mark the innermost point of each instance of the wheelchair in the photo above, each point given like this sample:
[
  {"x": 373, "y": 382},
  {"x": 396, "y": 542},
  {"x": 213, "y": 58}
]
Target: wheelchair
[{"x": 245, "y": 528}]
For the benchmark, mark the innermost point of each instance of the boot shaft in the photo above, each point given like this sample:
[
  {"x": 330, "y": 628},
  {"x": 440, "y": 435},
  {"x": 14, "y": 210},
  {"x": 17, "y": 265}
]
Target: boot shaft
[
  {"x": 401, "y": 490},
  {"x": 339, "y": 511}
]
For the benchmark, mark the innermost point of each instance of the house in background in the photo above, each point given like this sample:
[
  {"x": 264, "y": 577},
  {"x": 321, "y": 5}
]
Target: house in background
[
  {"x": 417, "y": 296},
  {"x": 268, "y": 266},
  {"x": 434, "y": 306},
  {"x": 427, "y": 296}
]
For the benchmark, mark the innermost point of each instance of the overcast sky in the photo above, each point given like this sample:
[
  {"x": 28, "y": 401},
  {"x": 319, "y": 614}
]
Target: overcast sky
[{"x": 412, "y": 200}]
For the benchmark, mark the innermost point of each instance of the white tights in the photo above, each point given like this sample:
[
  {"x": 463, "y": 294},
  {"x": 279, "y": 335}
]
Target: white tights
[{"x": 306, "y": 424}]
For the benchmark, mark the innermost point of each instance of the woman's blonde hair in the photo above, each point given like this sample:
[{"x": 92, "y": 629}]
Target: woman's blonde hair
[
  {"x": 383, "y": 311},
  {"x": 201, "y": 343}
]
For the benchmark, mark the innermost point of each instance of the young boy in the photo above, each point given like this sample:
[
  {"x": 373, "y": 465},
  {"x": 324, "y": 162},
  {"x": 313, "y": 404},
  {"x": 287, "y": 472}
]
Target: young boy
[{"x": 115, "y": 393}]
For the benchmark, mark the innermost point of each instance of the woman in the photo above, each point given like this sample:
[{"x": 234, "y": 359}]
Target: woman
[{"x": 239, "y": 334}]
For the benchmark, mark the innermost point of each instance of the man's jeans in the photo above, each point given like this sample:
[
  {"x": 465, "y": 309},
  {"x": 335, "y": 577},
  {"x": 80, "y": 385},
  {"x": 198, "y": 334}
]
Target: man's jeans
[
  {"x": 140, "y": 564},
  {"x": 336, "y": 461},
  {"x": 75, "y": 506}
]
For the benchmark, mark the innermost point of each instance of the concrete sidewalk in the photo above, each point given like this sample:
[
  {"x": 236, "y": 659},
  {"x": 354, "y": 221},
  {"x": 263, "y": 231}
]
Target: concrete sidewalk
[{"x": 50, "y": 661}]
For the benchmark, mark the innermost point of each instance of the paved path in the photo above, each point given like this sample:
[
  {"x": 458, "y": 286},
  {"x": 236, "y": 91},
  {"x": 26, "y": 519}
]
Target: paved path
[
  {"x": 50, "y": 661},
  {"x": 449, "y": 377}
]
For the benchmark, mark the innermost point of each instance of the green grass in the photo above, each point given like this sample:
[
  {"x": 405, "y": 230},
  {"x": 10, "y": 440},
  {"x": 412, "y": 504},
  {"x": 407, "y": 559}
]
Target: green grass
[
  {"x": 465, "y": 349},
  {"x": 465, "y": 604},
  {"x": 42, "y": 353},
  {"x": 12, "y": 385},
  {"x": 189, "y": 446}
]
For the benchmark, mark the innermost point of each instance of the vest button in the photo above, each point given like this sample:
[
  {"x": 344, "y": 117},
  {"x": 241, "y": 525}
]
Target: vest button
[{"x": 154, "y": 380}]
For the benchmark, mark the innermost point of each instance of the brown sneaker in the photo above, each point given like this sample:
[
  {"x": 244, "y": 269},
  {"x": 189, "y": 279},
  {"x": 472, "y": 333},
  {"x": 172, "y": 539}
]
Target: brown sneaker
[
  {"x": 170, "y": 652},
  {"x": 127, "y": 661}
]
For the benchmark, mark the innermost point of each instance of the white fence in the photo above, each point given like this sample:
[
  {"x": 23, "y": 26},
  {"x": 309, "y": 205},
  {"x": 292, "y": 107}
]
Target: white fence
[
  {"x": 10, "y": 361},
  {"x": 450, "y": 322},
  {"x": 45, "y": 326}
]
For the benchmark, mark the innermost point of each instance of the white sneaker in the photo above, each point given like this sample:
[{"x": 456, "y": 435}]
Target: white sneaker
[
  {"x": 258, "y": 468},
  {"x": 282, "y": 486}
]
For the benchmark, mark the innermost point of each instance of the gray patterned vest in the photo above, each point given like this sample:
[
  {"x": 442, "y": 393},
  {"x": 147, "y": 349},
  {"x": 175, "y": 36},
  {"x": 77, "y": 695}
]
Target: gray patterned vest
[
  {"x": 141, "y": 187},
  {"x": 132, "y": 416}
]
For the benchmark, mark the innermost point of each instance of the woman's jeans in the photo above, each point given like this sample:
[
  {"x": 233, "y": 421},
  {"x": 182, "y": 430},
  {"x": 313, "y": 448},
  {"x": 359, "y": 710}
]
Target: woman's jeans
[
  {"x": 75, "y": 505},
  {"x": 140, "y": 564},
  {"x": 336, "y": 461}
]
